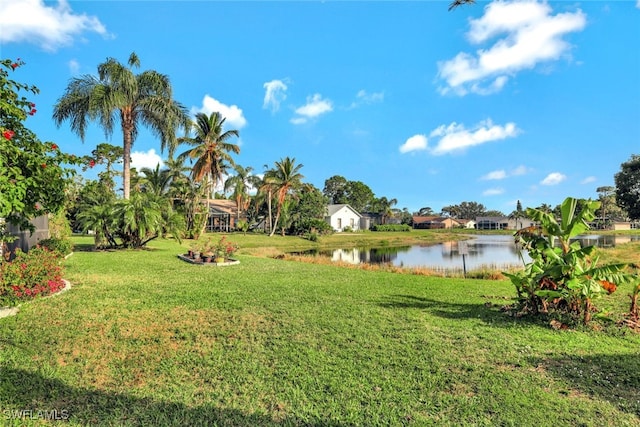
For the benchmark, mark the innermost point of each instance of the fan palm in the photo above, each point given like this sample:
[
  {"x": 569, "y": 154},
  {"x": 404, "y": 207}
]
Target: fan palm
[{"x": 134, "y": 99}]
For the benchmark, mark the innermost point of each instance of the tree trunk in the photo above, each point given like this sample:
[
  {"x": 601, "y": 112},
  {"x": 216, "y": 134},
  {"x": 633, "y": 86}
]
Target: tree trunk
[
  {"x": 275, "y": 223},
  {"x": 269, "y": 208},
  {"x": 126, "y": 164}
]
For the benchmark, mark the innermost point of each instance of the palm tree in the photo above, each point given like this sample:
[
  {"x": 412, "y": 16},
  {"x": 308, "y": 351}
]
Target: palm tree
[
  {"x": 286, "y": 179},
  {"x": 210, "y": 150},
  {"x": 155, "y": 181},
  {"x": 384, "y": 207},
  {"x": 455, "y": 3},
  {"x": 134, "y": 99},
  {"x": 241, "y": 183}
]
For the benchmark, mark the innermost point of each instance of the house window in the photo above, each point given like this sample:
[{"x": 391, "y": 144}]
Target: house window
[
  {"x": 352, "y": 223},
  {"x": 339, "y": 223}
]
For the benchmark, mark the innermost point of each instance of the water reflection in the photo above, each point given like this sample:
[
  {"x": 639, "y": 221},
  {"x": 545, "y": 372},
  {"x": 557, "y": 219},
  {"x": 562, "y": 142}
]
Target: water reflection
[{"x": 495, "y": 251}]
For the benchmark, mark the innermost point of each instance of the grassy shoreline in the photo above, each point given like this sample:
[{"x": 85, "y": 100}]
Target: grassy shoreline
[{"x": 143, "y": 338}]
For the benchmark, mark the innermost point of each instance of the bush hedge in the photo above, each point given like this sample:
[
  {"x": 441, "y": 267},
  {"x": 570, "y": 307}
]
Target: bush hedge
[{"x": 391, "y": 227}]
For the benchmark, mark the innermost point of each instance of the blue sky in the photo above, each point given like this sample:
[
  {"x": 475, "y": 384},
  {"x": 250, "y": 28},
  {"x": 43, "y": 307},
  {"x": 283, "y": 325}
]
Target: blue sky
[{"x": 492, "y": 103}]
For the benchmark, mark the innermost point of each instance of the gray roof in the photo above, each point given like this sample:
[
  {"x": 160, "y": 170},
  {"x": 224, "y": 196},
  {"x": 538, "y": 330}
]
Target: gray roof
[{"x": 335, "y": 208}]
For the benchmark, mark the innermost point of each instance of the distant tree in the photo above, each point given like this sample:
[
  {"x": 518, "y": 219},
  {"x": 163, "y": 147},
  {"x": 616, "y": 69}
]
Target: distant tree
[
  {"x": 606, "y": 197},
  {"x": 119, "y": 94},
  {"x": 452, "y": 211},
  {"x": 383, "y": 207},
  {"x": 628, "y": 187},
  {"x": 546, "y": 208},
  {"x": 359, "y": 196},
  {"x": 406, "y": 217},
  {"x": 493, "y": 213},
  {"x": 425, "y": 211},
  {"x": 241, "y": 183},
  {"x": 335, "y": 189},
  {"x": 310, "y": 206},
  {"x": 356, "y": 194},
  {"x": 517, "y": 215},
  {"x": 285, "y": 180}
]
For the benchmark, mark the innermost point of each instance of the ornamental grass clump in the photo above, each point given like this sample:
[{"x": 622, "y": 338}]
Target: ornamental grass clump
[
  {"x": 29, "y": 275},
  {"x": 563, "y": 277}
]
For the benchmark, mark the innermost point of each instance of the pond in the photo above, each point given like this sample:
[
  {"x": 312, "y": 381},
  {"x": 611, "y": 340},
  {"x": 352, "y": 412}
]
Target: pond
[{"x": 482, "y": 251}]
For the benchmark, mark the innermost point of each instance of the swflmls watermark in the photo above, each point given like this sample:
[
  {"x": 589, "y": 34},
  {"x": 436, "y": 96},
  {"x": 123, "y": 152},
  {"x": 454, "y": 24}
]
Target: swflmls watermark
[{"x": 36, "y": 414}]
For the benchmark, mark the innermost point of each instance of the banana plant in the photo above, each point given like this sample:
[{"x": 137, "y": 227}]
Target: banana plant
[{"x": 563, "y": 275}]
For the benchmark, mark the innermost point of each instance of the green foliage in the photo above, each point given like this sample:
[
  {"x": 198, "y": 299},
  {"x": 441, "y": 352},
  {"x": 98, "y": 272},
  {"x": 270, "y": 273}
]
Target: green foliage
[
  {"x": 60, "y": 246},
  {"x": 390, "y": 227},
  {"x": 354, "y": 193},
  {"x": 31, "y": 274},
  {"x": 116, "y": 94},
  {"x": 59, "y": 225},
  {"x": 627, "y": 190},
  {"x": 242, "y": 225},
  {"x": 313, "y": 225},
  {"x": 32, "y": 178},
  {"x": 562, "y": 275},
  {"x": 131, "y": 223}
]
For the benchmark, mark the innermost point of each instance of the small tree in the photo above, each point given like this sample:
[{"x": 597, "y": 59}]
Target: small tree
[
  {"x": 32, "y": 175},
  {"x": 562, "y": 275},
  {"x": 628, "y": 186}
]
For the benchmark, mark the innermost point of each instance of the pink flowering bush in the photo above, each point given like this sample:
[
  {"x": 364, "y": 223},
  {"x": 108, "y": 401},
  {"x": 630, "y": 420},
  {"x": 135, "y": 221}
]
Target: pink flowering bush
[{"x": 29, "y": 275}]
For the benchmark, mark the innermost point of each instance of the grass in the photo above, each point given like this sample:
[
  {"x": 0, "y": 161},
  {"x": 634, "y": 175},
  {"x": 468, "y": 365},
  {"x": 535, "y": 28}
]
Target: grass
[{"x": 143, "y": 338}]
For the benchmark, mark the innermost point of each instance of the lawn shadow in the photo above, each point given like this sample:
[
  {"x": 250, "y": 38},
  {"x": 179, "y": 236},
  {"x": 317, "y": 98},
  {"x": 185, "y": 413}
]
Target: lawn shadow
[
  {"x": 30, "y": 395},
  {"x": 615, "y": 378},
  {"x": 488, "y": 312}
]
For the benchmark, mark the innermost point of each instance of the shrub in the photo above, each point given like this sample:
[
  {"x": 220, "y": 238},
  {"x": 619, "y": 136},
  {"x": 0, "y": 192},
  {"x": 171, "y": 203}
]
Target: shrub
[
  {"x": 563, "y": 276},
  {"x": 312, "y": 236},
  {"x": 390, "y": 227},
  {"x": 312, "y": 225},
  {"x": 62, "y": 247},
  {"x": 30, "y": 274}
]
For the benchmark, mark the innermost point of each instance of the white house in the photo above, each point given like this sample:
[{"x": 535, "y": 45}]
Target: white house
[{"x": 344, "y": 216}]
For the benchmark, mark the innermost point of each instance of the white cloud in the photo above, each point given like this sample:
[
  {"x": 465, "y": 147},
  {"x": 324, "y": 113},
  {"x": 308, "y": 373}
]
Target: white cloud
[
  {"x": 314, "y": 107},
  {"x": 415, "y": 143},
  {"x": 495, "y": 175},
  {"x": 233, "y": 114},
  {"x": 74, "y": 66},
  {"x": 149, "y": 159},
  {"x": 502, "y": 174},
  {"x": 638, "y": 4},
  {"x": 588, "y": 180},
  {"x": 520, "y": 170},
  {"x": 363, "y": 97},
  {"x": 530, "y": 35},
  {"x": 50, "y": 27},
  {"x": 455, "y": 137},
  {"x": 493, "y": 192},
  {"x": 274, "y": 94},
  {"x": 553, "y": 178}
]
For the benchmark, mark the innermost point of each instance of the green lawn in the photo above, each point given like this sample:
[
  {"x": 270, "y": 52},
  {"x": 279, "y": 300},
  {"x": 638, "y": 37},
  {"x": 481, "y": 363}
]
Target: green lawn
[{"x": 143, "y": 338}]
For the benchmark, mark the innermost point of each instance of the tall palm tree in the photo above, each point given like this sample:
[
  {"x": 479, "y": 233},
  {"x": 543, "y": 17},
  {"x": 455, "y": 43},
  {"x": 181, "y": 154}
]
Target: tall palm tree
[
  {"x": 119, "y": 94},
  {"x": 241, "y": 183},
  {"x": 286, "y": 179},
  {"x": 211, "y": 151}
]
